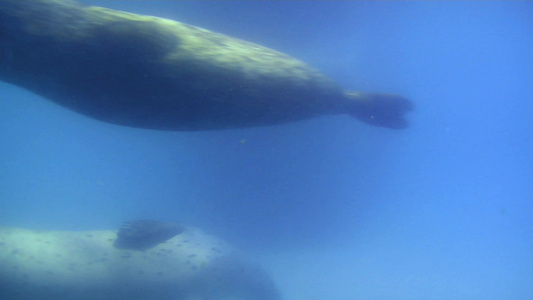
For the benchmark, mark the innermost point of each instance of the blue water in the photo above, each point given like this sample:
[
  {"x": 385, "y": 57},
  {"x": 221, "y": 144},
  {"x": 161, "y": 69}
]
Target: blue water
[{"x": 332, "y": 208}]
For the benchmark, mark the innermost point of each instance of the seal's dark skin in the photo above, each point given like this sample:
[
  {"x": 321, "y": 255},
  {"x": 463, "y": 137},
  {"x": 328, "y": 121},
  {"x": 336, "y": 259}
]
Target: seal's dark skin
[
  {"x": 145, "y": 234},
  {"x": 160, "y": 74}
]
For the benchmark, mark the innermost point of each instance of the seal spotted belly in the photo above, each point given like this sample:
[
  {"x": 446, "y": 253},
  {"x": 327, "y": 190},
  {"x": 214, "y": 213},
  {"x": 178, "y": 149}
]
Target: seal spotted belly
[
  {"x": 149, "y": 264},
  {"x": 155, "y": 73}
]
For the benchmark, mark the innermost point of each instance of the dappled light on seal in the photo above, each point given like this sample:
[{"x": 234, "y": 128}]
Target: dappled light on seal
[{"x": 156, "y": 73}]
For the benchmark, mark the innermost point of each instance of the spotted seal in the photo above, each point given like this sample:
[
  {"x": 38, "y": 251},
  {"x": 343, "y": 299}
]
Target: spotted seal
[{"x": 86, "y": 265}]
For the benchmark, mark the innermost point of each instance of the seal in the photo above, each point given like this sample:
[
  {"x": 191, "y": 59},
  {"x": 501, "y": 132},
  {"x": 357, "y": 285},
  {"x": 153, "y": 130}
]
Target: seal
[
  {"x": 65, "y": 265},
  {"x": 150, "y": 72}
]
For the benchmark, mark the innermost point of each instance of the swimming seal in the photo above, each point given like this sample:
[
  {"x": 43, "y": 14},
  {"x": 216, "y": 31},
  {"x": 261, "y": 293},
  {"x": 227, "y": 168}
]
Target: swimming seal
[
  {"x": 84, "y": 265},
  {"x": 155, "y": 73}
]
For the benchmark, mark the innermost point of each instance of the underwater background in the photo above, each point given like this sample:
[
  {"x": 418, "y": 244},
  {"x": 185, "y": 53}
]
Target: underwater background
[{"x": 331, "y": 208}]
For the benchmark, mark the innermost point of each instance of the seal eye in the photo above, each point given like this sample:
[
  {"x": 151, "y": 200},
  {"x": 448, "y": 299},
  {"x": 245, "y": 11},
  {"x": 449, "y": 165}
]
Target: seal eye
[{"x": 145, "y": 234}]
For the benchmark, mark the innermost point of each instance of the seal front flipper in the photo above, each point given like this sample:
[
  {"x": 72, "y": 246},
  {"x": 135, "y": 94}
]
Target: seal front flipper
[
  {"x": 382, "y": 110},
  {"x": 145, "y": 234}
]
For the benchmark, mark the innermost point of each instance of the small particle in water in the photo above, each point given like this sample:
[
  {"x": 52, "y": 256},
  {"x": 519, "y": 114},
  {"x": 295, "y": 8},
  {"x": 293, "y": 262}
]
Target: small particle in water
[
  {"x": 110, "y": 240},
  {"x": 192, "y": 255}
]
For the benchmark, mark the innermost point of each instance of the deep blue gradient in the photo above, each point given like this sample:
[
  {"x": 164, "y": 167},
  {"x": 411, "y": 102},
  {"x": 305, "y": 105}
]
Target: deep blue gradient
[{"x": 333, "y": 208}]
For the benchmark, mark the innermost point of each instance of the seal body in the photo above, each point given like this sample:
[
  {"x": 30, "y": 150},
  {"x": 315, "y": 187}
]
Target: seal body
[
  {"x": 156, "y": 73},
  {"x": 66, "y": 265}
]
